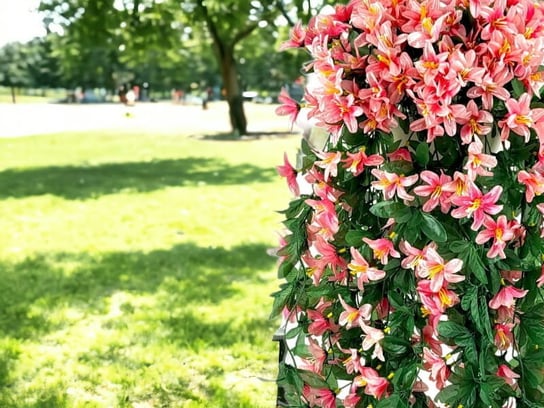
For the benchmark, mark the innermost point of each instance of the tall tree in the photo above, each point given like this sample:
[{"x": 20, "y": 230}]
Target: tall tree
[
  {"x": 228, "y": 23},
  {"x": 15, "y": 59}
]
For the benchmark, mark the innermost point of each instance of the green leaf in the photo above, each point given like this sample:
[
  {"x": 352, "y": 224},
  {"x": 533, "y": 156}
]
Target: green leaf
[
  {"x": 294, "y": 332},
  {"x": 449, "y": 149},
  {"x": 451, "y": 330},
  {"x": 432, "y": 228},
  {"x": 483, "y": 322},
  {"x": 355, "y": 237},
  {"x": 471, "y": 293},
  {"x": 461, "y": 393},
  {"x": 395, "y": 345},
  {"x": 392, "y": 209},
  {"x": 284, "y": 269},
  {"x": 405, "y": 377},
  {"x": 282, "y": 298},
  {"x": 393, "y": 401},
  {"x": 422, "y": 154},
  {"x": 476, "y": 265},
  {"x": 312, "y": 379},
  {"x": 517, "y": 87},
  {"x": 459, "y": 247}
]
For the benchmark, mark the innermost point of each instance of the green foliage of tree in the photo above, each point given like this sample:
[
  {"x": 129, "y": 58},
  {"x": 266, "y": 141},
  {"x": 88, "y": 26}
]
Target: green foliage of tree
[
  {"x": 231, "y": 44},
  {"x": 15, "y": 59}
]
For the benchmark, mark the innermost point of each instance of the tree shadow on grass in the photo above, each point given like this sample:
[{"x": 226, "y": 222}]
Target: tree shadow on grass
[
  {"x": 185, "y": 274},
  {"x": 83, "y": 182},
  {"x": 221, "y": 137}
]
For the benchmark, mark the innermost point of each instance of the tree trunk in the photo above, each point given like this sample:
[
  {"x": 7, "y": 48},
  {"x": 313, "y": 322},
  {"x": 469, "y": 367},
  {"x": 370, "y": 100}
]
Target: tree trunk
[
  {"x": 233, "y": 94},
  {"x": 13, "y": 94}
]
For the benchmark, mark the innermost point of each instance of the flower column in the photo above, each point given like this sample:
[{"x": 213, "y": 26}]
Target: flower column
[{"x": 414, "y": 262}]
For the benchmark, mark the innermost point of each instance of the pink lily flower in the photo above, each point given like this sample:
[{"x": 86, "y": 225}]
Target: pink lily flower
[
  {"x": 356, "y": 162},
  {"x": 400, "y": 154},
  {"x": 364, "y": 272},
  {"x": 373, "y": 337},
  {"x": 319, "y": 397},
  {"x": 437, "y": 366},
  {"x": 382, "y": 248},
  {"x": 477, "y": 124},
  {"x": 436, "y": 303},
  {"x": 477, "y": 161},
  {"x": 439, "y": 271},
  {"x": 344, "y": 109},
  {"x": 428, "y": 31},
  {"x": 319, "y": 322},
  {"x": 392, "y": 183},
  {"x": 316, "y": 361},
  {"x": 329, "y": 162},
  {"x": 507, "y": 297},
  {"x": 429, "y": 337},
  {"x": 290, "y": 175},
  {"x": 476, "y": 7},
  {"x": 325, "y": 219},
  {"x": 375, "y": 385},
  {"x": 434, "y": 189},
  {"x": 475, "y": 204},
  {"x": 512, "y": 276},
  {"x": 535, "y": 82},
  {"x": 289, "y": 107},
  {"x": 354, "y": 362},
  {"x": 508, "y": 374},
  {"x": 297, "y": 36},
  {"x": 459, "y": 184},
  {"x": 352, "y": 317},
  {"x": 352, "y": 400},
  {"x": 314, "y": 266},
  {"x": 415, "y": 258},
  {"x": 534, "y": 183},
  {"x": 492, "y": 85},
  {"x": 503, "y": 336},
  {"x": 500, "y": 231},
  {"x": 521, "y": 118},
  {"x": 464, "y": 65},
  {"x": 328, "y": 254}
]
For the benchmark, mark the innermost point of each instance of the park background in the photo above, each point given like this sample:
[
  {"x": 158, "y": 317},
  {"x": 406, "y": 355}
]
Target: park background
[{"x": 134, "y": 255}]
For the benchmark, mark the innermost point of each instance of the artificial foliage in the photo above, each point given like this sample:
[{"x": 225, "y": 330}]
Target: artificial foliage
[{"x": 411, "y": 262}]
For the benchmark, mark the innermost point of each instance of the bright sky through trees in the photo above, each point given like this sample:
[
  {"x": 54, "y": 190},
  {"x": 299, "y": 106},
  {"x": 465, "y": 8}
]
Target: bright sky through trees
[{"x": 19, "y": 21}]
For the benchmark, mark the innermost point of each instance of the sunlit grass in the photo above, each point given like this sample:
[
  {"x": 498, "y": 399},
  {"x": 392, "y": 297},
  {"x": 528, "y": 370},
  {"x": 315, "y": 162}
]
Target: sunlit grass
[
  {"x": 38, "y": 97},
  {"x": 134, "y": 270}
]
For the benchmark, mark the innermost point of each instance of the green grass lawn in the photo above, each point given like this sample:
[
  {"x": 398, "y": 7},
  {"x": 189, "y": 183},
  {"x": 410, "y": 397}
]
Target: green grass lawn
[
  {"x": 37, "y": 97},
  {"x": 134, "y": 270}
]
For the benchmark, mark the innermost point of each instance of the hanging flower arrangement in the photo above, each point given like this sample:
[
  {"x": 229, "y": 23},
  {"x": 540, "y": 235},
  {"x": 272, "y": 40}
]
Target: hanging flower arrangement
[{"x": 413, "y": 252}]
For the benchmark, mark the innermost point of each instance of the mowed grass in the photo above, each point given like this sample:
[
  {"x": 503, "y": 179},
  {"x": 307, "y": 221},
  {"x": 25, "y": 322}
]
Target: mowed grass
[{"x": 134, "y": 270}]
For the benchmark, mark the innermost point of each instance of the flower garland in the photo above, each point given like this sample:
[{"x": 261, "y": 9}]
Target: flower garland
[{"x": 412, "y": 258}]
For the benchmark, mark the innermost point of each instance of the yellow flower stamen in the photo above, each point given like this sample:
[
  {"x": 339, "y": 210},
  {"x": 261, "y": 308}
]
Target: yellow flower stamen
[
  {"x": 475, "y": 205},
  {"x": 424, "y": 311},
  {"x": 523, "y": 120},
  {"x": 427, "y": 24},
  {"x": 444, "y": 298},
  {"x": 435, "y": 270}
]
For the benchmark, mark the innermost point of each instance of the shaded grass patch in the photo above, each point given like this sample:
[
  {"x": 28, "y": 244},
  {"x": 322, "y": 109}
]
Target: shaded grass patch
[
  {"x": 188, "y": 274},
  {"x": 83, "y": 182}
]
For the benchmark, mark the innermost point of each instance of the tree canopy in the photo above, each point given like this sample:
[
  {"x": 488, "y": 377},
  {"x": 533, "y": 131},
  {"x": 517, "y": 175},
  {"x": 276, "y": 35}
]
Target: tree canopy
[{"x": 227, "y": 44}]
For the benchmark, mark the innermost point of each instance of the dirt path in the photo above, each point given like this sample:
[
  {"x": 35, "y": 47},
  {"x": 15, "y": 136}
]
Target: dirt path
[{"x": 33, "y": 119}]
